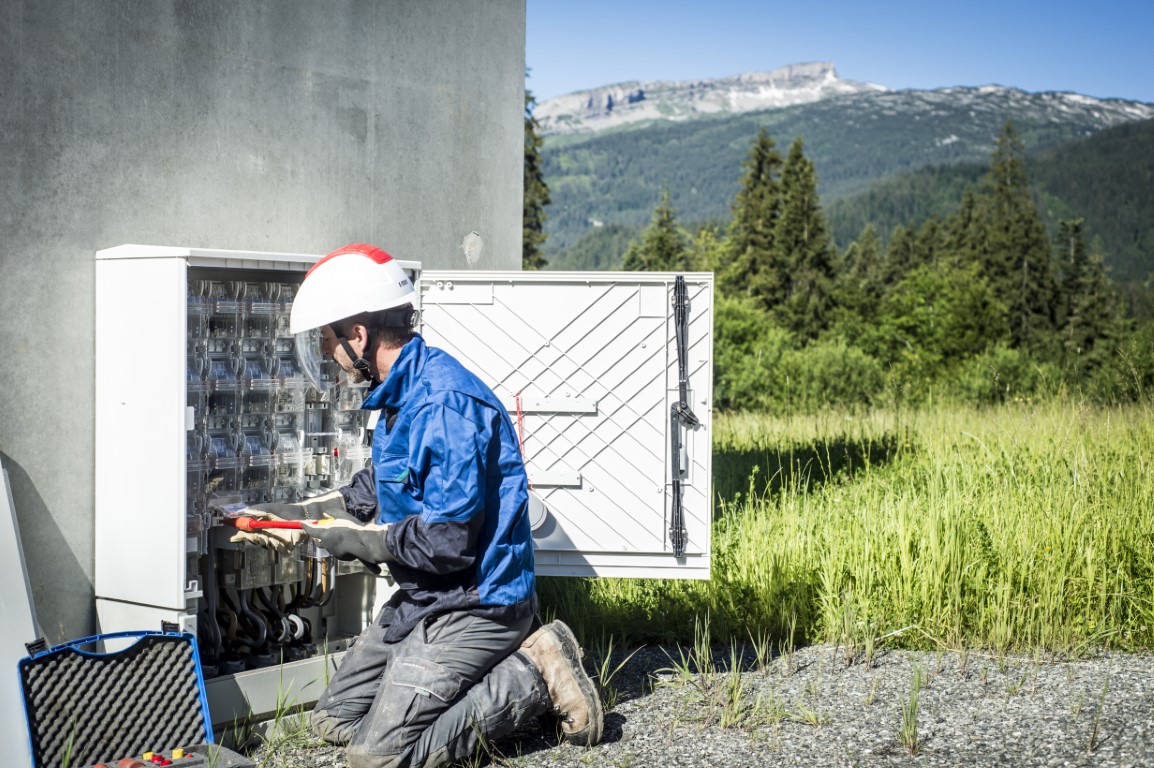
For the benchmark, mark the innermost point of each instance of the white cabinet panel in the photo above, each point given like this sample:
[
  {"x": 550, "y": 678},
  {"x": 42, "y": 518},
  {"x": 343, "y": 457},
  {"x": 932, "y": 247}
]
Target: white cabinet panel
[{"x": 587, "y": 365}]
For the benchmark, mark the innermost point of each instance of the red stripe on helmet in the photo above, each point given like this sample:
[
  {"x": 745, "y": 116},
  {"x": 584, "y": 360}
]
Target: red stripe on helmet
[{"x": 373, "y": 252}]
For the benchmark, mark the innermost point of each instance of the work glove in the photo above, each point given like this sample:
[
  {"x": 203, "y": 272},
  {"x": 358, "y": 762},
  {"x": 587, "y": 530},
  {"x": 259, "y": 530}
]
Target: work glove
[
  {"x": 329, "y": 505},
  {"x": 346, "y": 538},
  {"x": 277, "y": 539}
]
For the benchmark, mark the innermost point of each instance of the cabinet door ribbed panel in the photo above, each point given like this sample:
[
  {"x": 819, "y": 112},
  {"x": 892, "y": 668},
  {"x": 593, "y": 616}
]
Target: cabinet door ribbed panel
[{"x": 587, "y": 365}]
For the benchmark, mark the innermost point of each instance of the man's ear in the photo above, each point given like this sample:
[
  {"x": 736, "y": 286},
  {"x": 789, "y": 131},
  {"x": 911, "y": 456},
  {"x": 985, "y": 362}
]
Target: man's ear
[{"x": 360, "y": 333}]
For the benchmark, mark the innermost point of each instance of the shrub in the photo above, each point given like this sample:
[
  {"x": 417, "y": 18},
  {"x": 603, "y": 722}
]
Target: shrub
[
  {"x": 831, "y": 373},
  {"x": 748, "y": 349},
  {"x": 1001, "y": 374},
  {"x": 1128, "y": 373}
]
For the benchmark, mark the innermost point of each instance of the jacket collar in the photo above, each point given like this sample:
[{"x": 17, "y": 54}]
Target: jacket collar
[{"x": 406, "y": 371}]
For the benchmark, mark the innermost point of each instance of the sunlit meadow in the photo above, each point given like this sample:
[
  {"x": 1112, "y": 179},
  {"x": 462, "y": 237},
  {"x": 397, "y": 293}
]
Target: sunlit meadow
[{"x": 1018, "y": 527}]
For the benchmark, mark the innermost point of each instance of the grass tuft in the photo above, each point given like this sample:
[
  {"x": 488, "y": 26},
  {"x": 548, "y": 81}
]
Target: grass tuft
[{"x": 908, "y": 729}]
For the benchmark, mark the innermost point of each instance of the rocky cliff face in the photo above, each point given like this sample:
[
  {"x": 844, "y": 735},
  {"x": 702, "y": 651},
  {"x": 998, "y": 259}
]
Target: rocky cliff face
[
  {"x": 615, "y": 105},
  {"x": 623, "y": 104}
]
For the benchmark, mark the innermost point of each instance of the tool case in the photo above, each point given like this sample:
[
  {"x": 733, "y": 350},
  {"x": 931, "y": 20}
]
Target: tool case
[{"x": 143, "y": 704}]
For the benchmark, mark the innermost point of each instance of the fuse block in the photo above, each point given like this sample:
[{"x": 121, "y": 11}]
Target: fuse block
[{"x": 259, "y": 433}]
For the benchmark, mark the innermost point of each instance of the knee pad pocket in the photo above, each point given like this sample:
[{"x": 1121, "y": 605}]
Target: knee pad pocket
[
  {"x": 412, "y": 696},
  {"x": 426, "y": 678}
]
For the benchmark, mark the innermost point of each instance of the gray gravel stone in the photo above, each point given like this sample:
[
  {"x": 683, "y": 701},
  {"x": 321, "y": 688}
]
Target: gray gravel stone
[{"x": 811, "y": 709}]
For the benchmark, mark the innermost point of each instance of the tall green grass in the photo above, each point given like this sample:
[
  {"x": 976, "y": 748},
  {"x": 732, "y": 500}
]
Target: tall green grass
[{"x": 1023, "y": 526}]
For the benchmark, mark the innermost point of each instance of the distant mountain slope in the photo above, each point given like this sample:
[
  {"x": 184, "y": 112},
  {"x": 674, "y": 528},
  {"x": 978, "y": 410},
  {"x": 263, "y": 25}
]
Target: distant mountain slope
[
  {"x": 908, "y": 199},
  {"x": 854, "y": 140},
  {"x": 613, "y": 106},
  {"x": 1109, "y": 180}
]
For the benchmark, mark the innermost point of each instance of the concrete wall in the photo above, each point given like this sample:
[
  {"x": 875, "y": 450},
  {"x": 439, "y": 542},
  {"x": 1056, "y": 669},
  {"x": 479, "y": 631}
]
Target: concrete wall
[{"x": 292, "y": 125}]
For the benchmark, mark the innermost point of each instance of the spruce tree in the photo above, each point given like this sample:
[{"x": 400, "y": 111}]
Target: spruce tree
[
  {"x": 902, "y": 256},
  {"x": 663, "y": 246},
  {"x": 1070, "y": 260},
  {"x": 1015, "y": 258},
  {"x": 965, "y": 235},
  {"x": 931, "y": 241},
  {"x": 706, "y": 251},
  {"x": 863, "y": 262},
  {"x": 749, "y": 242},
  {"x": 1086, "y": 301},
  {"x": 859, "y": 285},
  {"x": 535, "y": 194},
  {"x": 802, "y": 251}
]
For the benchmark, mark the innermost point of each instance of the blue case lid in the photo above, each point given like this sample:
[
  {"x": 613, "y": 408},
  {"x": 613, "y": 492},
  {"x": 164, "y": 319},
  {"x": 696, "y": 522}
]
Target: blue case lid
[{"x": 84, "y": 706}]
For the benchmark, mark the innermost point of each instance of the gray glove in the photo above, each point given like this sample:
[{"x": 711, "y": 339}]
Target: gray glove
[
  {"x": 329, "y": 505},
  {"x": 349, "y": 539}
]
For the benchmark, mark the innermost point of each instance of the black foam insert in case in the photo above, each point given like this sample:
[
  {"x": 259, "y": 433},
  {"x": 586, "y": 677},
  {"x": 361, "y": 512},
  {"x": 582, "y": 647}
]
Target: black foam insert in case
[{"x": 85, "y": 707}]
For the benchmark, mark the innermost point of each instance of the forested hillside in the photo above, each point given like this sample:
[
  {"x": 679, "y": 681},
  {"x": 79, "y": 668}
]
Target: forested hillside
[
  {"x": 887, "y": 159},
  {"x": 1106, "y": 179}
]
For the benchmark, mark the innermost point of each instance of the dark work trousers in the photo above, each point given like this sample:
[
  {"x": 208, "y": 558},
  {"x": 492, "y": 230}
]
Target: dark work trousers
[{"x": 433, "y": 698}]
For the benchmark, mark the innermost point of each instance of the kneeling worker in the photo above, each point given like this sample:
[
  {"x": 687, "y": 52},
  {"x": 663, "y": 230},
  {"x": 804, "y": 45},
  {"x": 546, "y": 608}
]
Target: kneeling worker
[{"x": 450, "y": 661}]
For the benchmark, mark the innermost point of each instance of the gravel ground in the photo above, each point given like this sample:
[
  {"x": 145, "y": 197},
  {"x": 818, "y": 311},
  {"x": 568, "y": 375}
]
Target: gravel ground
[{"x": 811, "y": 709}]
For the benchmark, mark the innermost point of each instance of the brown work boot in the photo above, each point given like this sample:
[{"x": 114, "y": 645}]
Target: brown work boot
[{"x": 554, "y": 651}]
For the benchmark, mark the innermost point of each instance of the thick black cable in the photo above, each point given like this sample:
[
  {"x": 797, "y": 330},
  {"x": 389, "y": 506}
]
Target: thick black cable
[{"x": 681, "y": 415}]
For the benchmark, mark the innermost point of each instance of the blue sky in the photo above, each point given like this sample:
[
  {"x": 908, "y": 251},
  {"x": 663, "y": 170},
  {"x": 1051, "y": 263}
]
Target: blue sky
[{"x": 1103, "y": 49}]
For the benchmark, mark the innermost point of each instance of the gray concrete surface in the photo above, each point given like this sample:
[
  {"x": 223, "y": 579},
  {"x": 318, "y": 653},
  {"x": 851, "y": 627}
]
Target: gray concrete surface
[{"x": 289, "y": 125}]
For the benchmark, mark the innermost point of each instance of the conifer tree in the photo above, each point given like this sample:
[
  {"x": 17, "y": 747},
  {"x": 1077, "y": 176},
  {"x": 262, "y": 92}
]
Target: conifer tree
[
  {"x": 706, "y": 251},
  {"x": 910, "y": 249},
  {"x": 1086, "y": 302},
  {"x": 1069, "y": 259},
  {"x": 930, "y": 245},
  {"x": 535, "y": 194},
  {"x": 965, "y": 234},
  {"x": 902, "y": 256},
  {"x": 802, "y": 247},
  {"x": 859, "y": 285},
  {"x": 663, "y": 246},
  {"x": 749, "y": 243},
  {"x": 1016, "y": 256},
  {"x": 863, "y": 262}
]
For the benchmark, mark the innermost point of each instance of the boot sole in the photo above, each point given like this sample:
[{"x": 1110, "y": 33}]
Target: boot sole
[{"x": 571, "y": 649}]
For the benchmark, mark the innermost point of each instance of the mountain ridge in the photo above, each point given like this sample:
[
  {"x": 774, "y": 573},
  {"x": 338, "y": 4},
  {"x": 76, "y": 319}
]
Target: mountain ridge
[
  {"x": 637, "y": 103},
  {"x": 619, "y": 104}
]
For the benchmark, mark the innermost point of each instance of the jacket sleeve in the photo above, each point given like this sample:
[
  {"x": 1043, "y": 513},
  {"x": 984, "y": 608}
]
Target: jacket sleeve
[
  {"x": 447, "y": 455},
  {"x": 360, "y": 495}
]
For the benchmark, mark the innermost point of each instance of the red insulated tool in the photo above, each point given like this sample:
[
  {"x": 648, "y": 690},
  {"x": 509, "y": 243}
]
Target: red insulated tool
[{"x": 253, "y": 524}]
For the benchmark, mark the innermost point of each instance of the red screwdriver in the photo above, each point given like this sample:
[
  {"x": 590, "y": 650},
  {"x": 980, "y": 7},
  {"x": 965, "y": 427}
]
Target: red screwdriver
[{"x": 253, "y": 524}]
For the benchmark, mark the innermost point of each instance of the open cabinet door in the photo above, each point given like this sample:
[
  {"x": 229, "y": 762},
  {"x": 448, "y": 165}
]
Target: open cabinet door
[{"x": 589, "y": 367}]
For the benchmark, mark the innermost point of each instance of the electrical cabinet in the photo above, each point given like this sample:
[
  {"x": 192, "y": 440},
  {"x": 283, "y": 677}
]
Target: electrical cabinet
[{"x": 199, "y": 405}]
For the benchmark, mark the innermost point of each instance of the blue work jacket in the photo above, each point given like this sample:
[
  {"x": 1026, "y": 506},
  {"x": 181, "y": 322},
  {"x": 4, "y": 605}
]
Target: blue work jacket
[{"x": 451, "y": 483}]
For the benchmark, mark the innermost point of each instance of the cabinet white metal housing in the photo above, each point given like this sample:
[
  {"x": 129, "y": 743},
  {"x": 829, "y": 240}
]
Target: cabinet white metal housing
[{"x": 197, "y": 402}]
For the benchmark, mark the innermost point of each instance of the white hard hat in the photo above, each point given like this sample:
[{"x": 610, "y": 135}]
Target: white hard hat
[{"x": 354, "y": 279}]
